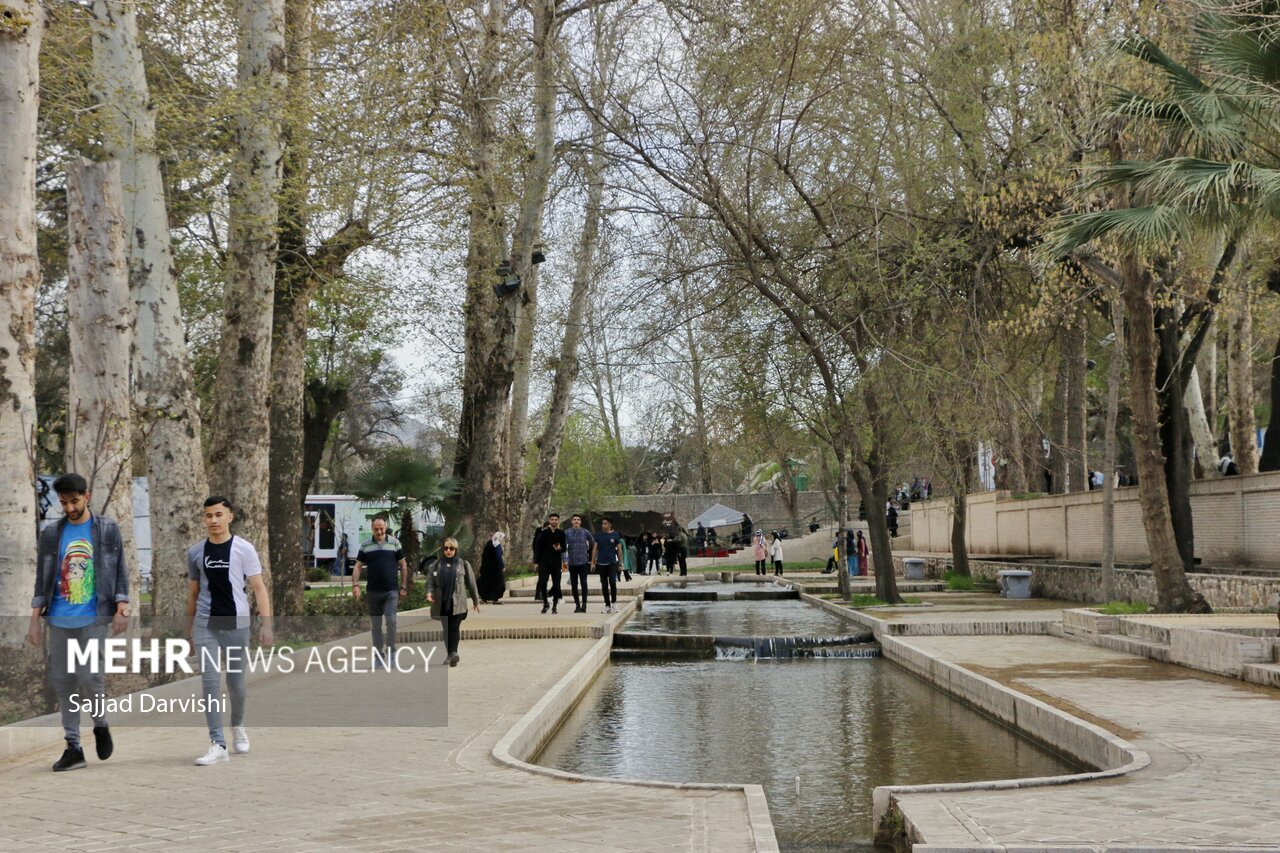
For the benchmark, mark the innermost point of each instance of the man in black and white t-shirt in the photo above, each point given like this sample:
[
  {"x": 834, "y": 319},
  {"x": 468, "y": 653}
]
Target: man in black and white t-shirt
[{"x": 218, "y": 620}]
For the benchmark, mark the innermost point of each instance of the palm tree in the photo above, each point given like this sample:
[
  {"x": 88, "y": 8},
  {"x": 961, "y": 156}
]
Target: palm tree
[
  {"x": 1224, "y": 124},
  {"x": 408, "y": 482},
  {"x": 1200, "y": 183}
]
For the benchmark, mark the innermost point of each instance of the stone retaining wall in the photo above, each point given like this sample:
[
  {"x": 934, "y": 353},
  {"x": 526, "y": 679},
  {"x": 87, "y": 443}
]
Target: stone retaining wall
[
  {"x": 1235, "y": 520},
  {"x": 1084, "y": 583}
]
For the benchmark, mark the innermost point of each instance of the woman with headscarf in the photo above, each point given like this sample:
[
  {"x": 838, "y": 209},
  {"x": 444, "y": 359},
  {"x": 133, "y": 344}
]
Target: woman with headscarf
[
  {"x": 492, "y": 582},
  {"x": 775, "y": 553},
  {"x": 759, "y": 551},
  {"x": 450, "y": 582}
]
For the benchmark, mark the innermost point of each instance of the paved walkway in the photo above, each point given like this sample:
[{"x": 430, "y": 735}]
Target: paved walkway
[
  {"x": 1212, "y": 779},
  {"x": 369, "y": 789},
  {"x": 1212, "y": 782}
]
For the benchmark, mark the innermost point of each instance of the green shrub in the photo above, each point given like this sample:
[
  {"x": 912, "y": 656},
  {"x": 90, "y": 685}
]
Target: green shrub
[
  {"x": 317, "y": 574},
  {"x": 958, "y": 581}
]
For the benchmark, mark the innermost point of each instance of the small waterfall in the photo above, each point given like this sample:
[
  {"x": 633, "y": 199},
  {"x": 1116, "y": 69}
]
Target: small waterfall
[{"x": 775, "y": 648}]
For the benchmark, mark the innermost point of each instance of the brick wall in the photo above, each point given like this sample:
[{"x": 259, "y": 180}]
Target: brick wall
[{"x": 1236, "y": 523}]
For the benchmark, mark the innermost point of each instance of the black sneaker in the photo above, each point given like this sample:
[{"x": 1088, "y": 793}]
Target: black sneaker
[
  {"x": 546, "y": 607},
  {"x": 72, "y": 759},
  {"x": 102, "y": 741}
]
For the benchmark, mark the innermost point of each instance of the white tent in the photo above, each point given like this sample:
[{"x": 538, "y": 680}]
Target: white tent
[{"x": 716, "y": 515}]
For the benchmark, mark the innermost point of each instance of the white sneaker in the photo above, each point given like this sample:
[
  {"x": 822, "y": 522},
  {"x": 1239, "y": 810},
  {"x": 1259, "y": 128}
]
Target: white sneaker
[
  {"x": 240, "y": 740},
  {"x": 606, "y": 610},
  {"x": 613, "y": 608},
  {"x": 215, "y": 755}
]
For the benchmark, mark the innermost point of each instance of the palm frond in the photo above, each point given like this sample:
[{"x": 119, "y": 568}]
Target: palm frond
[
  {"x": 1206, "y": 189},
  {"x": 402, "y": 476},
  {"x": 1151, "y": 226}
]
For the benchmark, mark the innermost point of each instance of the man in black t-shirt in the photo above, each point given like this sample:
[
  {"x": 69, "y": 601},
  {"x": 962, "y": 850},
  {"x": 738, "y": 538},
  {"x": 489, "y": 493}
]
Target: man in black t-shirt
[{"x": 388, "y": 579}]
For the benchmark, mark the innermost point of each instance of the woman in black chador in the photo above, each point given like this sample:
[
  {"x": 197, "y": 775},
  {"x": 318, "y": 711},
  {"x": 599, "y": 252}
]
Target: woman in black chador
[{"x": 493, "y": 582}]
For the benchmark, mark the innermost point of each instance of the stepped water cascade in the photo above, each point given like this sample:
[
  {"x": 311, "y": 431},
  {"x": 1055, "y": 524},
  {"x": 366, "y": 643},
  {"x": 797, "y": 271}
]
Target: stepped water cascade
[{"x": 777, "y": 648}]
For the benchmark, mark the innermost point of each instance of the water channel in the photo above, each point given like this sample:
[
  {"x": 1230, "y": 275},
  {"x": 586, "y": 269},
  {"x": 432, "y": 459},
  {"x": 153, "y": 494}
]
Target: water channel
[{"x": 818, "y": 734}]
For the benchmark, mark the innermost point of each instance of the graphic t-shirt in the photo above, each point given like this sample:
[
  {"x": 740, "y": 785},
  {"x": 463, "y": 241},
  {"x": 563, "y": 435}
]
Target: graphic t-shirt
[
  {"x": 607, "y": 548},
  {"x": 382, "y": 559},
  {"x": 75, "y": 599},
  {"x": 217, "y": 568},
  {"x": 222, "y": 570}
]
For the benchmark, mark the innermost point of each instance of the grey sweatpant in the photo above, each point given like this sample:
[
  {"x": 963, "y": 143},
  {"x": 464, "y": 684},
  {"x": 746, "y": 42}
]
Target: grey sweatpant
[
  {"x": 382, "y": 605},
  {"x": 89, "y": 681},
  {"x": 222, "y": 650}
]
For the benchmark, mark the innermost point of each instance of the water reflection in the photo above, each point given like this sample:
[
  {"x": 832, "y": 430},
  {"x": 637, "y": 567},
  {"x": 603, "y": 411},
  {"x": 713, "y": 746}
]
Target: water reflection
[{"x": 841, "y": 726}]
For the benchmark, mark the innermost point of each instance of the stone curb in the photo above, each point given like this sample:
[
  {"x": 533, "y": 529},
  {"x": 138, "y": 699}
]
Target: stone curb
[{"x": 533, "y": 730}]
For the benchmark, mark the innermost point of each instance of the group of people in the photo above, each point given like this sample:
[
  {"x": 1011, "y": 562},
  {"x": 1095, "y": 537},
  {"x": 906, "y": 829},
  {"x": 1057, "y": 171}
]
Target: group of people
[
  {"x": 82, "y": 593},
  {"x": 856, "y": 549},
  {"x": 582, "y": 553},
  {"x": 770, "y": 551}
]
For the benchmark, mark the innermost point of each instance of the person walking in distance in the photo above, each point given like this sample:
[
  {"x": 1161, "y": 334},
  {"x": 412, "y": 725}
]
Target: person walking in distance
[
  {"x": 218, "y": 618},
  {"x": 450, "y": 582},
  {"x": 759, "y": 552},
  {"x": 860, "y": 552},
  {"x": 775, "y": 553},
  {"x": 642, "y": 553},
  {"x": 578, "y": 546},
  {"x": 550, "y": 557},
  {"x": 607, "y": 559},
  {"x": 493, "y": 569},
  {"x": 81, "y": 590},
  {"x": 891, "y": 516},
  {"x": 655, "y": 553},
  {"x": 388, "y": 580}
]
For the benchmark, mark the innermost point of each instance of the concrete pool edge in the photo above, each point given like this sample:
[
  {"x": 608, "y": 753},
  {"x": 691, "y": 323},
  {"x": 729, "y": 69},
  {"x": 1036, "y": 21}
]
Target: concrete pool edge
[
  {"x": 536, "y": 726},
  {"x": 1078, "y": 739}
]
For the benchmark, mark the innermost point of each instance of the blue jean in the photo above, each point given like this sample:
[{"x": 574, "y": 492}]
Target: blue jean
[
  {"x": 219, "y": 650},
  {"x": 64, "y": 683}
]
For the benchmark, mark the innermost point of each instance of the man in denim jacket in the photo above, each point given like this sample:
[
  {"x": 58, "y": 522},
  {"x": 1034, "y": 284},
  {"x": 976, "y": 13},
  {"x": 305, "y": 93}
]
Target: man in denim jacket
[{"x": 82, "y": 587}]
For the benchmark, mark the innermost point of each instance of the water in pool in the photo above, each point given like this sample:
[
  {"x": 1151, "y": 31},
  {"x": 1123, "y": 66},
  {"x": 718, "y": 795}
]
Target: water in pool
[
  {"x": 841, "y": 727},
  {"x": 737, "y": 619}
]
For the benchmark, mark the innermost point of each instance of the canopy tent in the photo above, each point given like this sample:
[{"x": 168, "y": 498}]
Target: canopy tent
[{"x": 717, "y": 515}]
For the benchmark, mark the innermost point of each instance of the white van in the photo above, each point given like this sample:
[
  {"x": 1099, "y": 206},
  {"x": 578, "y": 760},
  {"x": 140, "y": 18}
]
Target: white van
[{"x": 330, "y": 517}]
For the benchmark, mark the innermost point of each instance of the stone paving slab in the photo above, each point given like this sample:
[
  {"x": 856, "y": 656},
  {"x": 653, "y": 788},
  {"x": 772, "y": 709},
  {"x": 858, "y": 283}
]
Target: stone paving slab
[
  {"x": 1212, "y": 781},
  {"x": 369, "y": 789}
]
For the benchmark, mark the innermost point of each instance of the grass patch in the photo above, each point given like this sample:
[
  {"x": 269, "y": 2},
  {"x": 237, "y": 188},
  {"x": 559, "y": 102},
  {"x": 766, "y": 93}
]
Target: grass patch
[
  {"x": 959, "y": 582},
  {"x": 865, "y": 600},
  {"x": 1124, "y": 608}
]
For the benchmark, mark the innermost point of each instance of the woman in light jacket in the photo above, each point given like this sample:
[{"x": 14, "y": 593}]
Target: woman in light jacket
[
  {"x": 450, "y": 582},
  {"x": 775, "y": 553},
  {"x": 760, "y": 552}
]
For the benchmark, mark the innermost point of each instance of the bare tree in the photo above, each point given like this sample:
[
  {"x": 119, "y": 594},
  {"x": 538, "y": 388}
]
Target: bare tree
[
  {"x": 21, "y": 30},
  {"x": 239, "y": 463},
  {"x": 167, "y": 407},
  {"x": 100, "y": 331}
]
